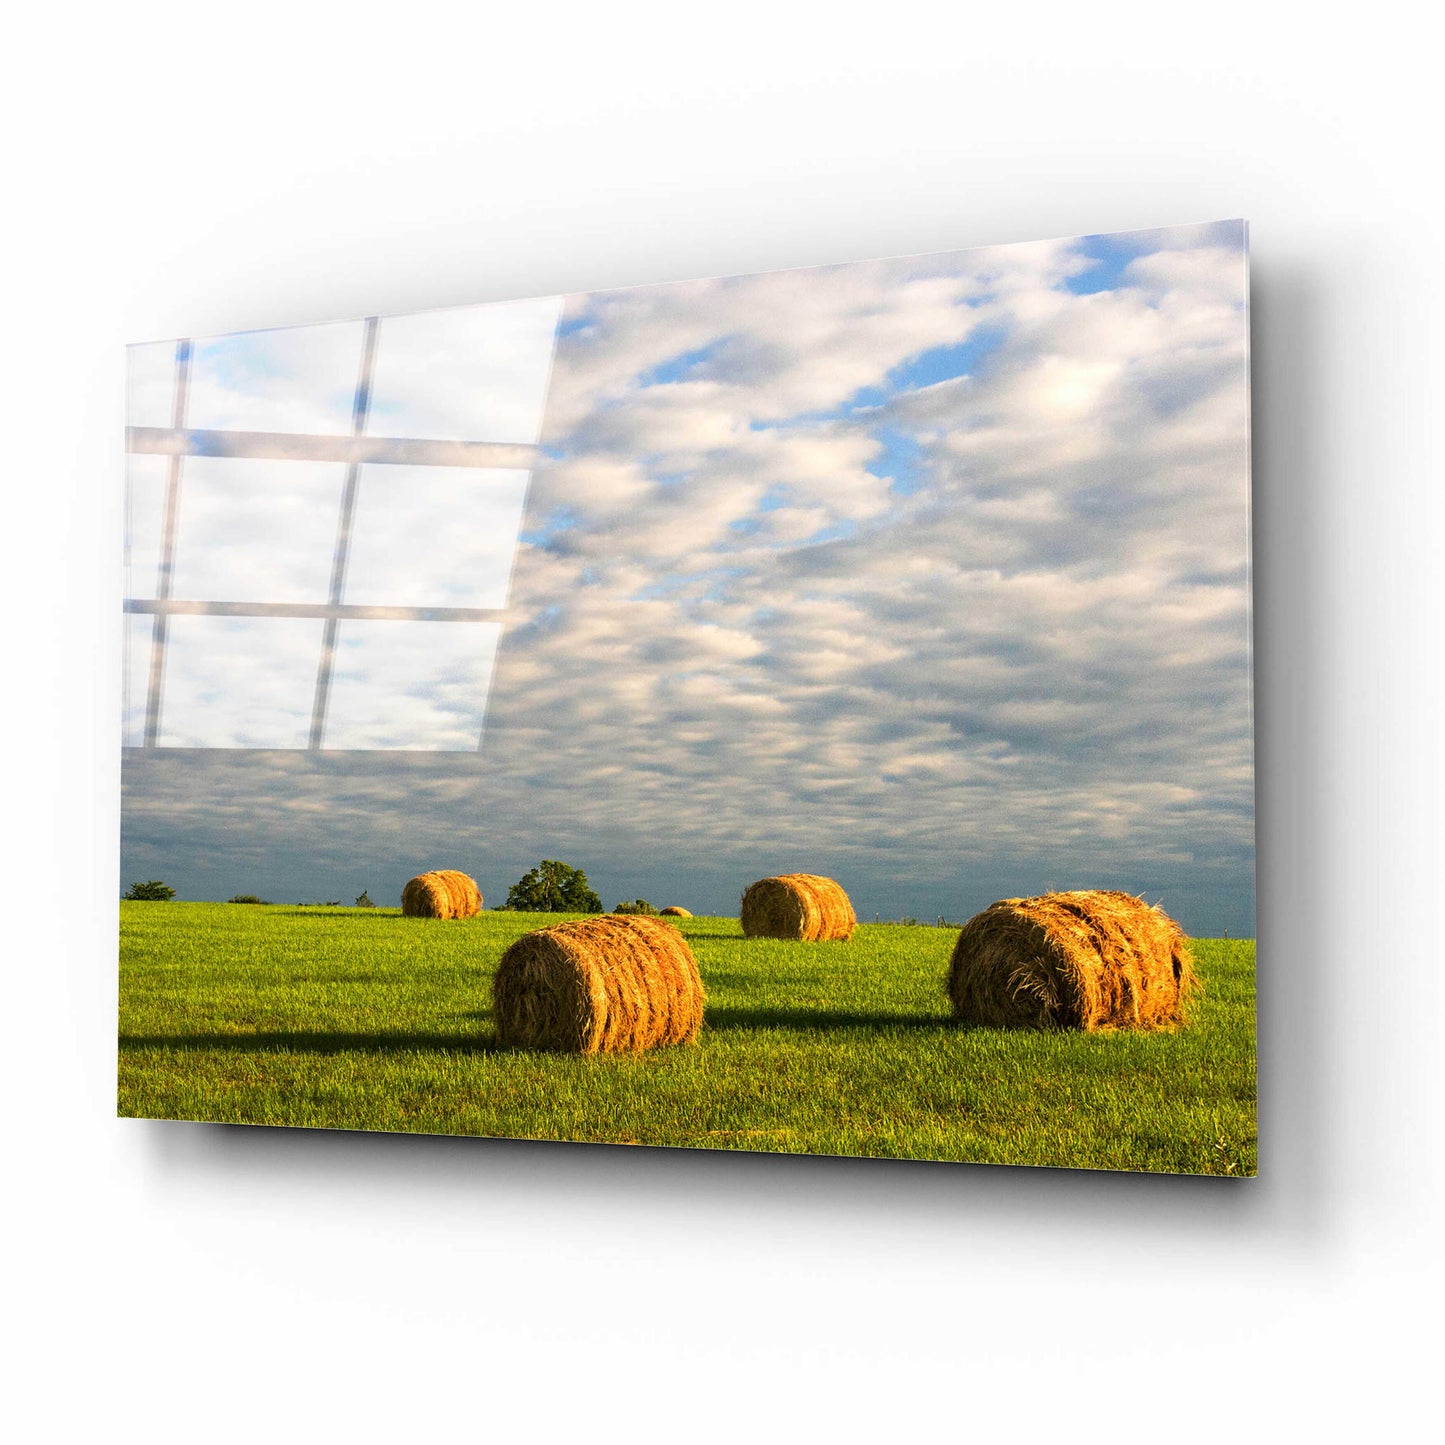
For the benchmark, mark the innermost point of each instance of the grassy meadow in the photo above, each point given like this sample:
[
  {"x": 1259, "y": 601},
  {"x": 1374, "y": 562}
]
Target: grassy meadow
[{"x": 362, "y": 1019}]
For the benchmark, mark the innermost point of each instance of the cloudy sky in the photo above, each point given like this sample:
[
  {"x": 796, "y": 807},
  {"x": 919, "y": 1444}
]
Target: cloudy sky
[{"x": 928, "y": 573}]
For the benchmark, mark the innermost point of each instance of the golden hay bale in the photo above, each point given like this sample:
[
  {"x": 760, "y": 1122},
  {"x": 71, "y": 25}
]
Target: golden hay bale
[
  {"x": 598, "y": 985},
  {"x": 442, "y": 894},
  {"x": 1083, "y": 960},
  {"x": 797, "y": 905},
  {"x": 674, "y": 912}
]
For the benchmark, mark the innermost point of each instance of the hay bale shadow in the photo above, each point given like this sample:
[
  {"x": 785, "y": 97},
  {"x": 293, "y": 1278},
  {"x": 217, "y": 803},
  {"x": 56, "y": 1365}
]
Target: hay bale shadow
[
  {"x": 304, "y": 1041},
  {"x": 340, "y": 915},
  {"x": 727, "y": 1017}
]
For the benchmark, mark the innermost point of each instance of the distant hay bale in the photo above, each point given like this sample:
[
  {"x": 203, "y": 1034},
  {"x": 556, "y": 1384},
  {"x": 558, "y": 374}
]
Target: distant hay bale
[
  {"x": 797, "y": 905},
  {"x": 674, "y": 912},
  {"x": 442, "y": 894},
  {"x": 1082, "y": 960},
  {"x": 605, "y": 984}
]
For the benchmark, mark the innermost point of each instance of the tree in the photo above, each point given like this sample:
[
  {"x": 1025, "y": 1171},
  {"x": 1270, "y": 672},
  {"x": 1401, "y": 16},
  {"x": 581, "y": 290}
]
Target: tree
[
  {"x": 365, "y": 900},
  {"x": 553, "y": 887},
  {"x": 153, "y": 892}
]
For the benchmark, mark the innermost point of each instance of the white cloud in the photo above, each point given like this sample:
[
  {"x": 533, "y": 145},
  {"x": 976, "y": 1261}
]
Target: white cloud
[
  {"x": 1046, "y": 628},
  {"x": 786, "y": 342}
]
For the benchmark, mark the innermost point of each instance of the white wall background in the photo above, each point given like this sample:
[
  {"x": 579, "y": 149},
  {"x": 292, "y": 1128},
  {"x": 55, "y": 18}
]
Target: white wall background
[{"x": 189, "y": 169}]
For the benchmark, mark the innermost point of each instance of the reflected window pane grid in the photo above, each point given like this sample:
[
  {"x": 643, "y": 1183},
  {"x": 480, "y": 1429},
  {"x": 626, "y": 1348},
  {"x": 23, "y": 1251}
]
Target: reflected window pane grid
[{"x": 305, "y": 595}]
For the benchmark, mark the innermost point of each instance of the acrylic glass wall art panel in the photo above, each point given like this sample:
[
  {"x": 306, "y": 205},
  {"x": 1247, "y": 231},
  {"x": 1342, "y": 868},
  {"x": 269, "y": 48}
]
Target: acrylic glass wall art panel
[{"x": 889, "y": 619}]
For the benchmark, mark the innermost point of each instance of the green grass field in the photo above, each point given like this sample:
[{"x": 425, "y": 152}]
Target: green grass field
[{"x": 361, "y": 1019}]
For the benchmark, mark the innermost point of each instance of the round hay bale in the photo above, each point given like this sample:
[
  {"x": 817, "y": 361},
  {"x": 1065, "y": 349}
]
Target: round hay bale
[
  {"x": 441, "y": 894},
  {"x": 799, "y": 906},
  {"x": 598, "y": 985},
  {"x": 1081, "y": 960},
  {"x": 674, "y": 912}
]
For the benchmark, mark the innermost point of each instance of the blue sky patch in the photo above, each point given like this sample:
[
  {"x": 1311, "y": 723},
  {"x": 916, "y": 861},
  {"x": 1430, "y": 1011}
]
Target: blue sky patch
[
  {"x": 675, "y": 582},
  {"x": 1108, "y": 256},
  {"x": 685, "y": 366},
  {"x": 946, "y": 363},
  {"x": 562, "y": 519},
  {"x": 928, "y": 368},
  {"x": 899, "y": 460},
  {"x": 833, "y": 532}
]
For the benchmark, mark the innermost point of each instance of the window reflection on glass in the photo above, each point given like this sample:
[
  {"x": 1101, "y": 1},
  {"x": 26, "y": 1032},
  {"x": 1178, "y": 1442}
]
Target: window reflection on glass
[
  {"x": 285, "y": 593},
  {"x": 296, "y": 379},
  {"x": 256, "y": 531},
  {"x": 434, "y": 536},
  {"x": 410, "y": 684},
  {"x": 472, "y": 373},
  {"x": 239, "y": 682},
  {"x": 145, "y": 504}
]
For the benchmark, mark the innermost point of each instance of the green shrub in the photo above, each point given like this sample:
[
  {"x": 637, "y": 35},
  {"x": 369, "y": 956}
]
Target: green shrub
[
  {"x": 365, "y": 900},
  {"x": 638, "y": 905},
  {"x": 247, "y": 898},
  {"x": 153, "y": 892}
]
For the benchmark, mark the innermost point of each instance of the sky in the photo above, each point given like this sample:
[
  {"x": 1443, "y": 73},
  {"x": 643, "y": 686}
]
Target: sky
[{"x": 930, "y": 574}]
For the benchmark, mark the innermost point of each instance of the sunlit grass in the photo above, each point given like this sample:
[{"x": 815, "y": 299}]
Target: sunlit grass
[{"x": 361, "y": 1019}]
